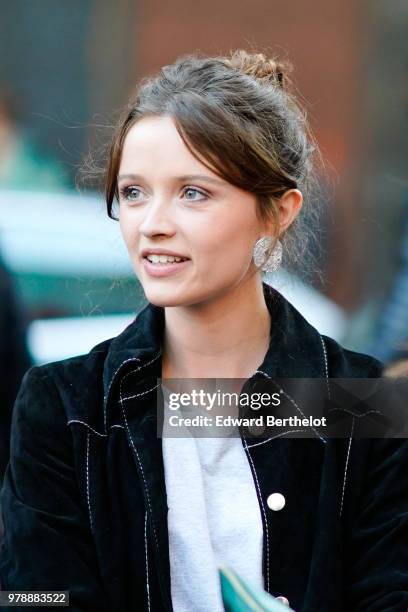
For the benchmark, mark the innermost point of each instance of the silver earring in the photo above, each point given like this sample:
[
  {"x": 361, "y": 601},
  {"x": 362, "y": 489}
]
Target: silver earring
[{"x": 261, "y": 259}]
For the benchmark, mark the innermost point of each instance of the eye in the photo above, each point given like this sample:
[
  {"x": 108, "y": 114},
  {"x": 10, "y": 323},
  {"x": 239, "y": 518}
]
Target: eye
[
  {"x": 191, "y": 194},
  {"x": 130, "y": 193}
]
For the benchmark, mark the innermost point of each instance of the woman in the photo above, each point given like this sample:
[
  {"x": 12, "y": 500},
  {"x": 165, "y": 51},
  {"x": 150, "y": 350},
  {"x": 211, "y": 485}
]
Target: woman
[{"x": 209, "y": 165}]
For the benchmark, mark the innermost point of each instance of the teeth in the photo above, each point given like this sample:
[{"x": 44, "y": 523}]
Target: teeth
[{"x": 163, "y": 259}]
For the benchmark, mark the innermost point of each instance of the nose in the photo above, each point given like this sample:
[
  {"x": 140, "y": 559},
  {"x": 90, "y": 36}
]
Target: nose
[{"x": 157, "y": 219}]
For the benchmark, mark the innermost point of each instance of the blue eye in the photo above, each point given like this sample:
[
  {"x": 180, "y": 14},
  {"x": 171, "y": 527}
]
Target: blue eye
[
  {"x": 193, "y": 190},
  {"x": 130, "y": 193}
]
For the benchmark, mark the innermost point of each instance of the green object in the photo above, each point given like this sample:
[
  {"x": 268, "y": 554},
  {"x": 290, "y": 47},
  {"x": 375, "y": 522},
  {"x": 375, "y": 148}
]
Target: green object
[{"x": 239, "y": 596}]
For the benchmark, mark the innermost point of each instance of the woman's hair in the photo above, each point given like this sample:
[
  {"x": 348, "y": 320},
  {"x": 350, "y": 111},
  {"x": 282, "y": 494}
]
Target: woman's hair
[{"x": 237, "y": 115}]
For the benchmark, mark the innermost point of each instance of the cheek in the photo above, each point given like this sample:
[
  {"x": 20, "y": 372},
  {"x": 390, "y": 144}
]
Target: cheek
[
  {"x": 129, "y": 229},
  {"x": 226, "y": 241}
]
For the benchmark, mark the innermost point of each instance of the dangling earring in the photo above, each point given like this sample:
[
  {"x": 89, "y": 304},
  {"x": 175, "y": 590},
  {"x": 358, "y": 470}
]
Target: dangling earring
[{"x": 261, "y": 259}]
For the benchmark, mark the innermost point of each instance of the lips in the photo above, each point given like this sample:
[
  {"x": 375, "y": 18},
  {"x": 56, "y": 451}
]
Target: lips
[
  {"x": 162, "y": 269},
  {"x": 160, "y": 256}
]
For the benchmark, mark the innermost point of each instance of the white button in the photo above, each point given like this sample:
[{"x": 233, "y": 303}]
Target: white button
[
  {"x": 283, "y": 600},
  {"x": 276, "y": 501}
]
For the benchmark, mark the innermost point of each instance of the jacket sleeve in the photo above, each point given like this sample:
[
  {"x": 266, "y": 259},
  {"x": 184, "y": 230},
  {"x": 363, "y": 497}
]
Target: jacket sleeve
[
  {"x": 378, "y": 553},
  {"x": 47, "y": 543}
]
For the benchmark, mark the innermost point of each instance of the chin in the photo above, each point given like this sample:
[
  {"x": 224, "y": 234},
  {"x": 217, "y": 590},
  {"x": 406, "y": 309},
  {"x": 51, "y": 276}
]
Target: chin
[
  {"x": 163, "y": 296},
  {"x": 174, "y": 294}
]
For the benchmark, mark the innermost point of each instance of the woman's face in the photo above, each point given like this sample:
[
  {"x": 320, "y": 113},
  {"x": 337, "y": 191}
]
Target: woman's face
[{"x": 190, "y": 234}]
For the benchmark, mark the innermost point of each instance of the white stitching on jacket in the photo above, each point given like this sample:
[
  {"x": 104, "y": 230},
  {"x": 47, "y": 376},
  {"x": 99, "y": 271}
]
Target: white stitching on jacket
[
  {"x": 346, "y": 466},
  {"x": 352, "y": 424},
  {"x": 137, "y": 454},
  {"x": 87, "y": 479},
  {"x": 139, "y": 394},
  {"x": 301, "y": 412},
  {"x": 263, "y": 512},
  {"x": 284, "y": 433},
  {"x": 132, "y": 372},
  {"x": 358, "y": 414},
  {"x": 293, "y": 402},
  {"x": 147, "y": 564},
  {"x": 326, "y": 361},
  {"x": 141, "y": 367},
  {"x": 103, "y": 435},
  {"x": 92, "y": 429},
  {"x": 105, "y": 399}
]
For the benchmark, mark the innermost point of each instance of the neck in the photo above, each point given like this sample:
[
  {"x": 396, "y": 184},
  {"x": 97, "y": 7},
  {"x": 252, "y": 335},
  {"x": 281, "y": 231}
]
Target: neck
[{"x": 222, "y": 338}]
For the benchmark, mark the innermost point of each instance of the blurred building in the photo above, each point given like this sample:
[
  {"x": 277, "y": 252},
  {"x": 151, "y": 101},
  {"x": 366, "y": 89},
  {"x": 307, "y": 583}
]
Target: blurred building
[{"x": 74, "y": 64}]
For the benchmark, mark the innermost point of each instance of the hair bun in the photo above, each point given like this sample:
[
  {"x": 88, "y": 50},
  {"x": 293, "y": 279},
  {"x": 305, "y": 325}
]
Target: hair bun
[{"x": 261, "y": 67}]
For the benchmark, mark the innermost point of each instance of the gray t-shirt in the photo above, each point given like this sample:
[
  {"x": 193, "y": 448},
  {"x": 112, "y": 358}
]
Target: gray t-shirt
[{"x": 214, "y": 518}]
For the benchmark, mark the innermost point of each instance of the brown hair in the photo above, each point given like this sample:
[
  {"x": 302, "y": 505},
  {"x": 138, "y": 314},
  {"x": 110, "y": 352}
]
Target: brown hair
[{"x": 239, "y": 117}]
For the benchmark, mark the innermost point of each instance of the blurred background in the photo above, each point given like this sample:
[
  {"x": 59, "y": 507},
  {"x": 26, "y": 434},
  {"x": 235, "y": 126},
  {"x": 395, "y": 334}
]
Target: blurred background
[{"x": 66, "y": 71}]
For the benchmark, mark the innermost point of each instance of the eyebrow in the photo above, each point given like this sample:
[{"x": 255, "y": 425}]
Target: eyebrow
[{"x": 185, "y": 177}]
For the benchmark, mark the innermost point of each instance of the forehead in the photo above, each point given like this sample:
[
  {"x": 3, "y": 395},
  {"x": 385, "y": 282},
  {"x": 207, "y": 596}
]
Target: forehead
[{"x": 154, "y": 144}]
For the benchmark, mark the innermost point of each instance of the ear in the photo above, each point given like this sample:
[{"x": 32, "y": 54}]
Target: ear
[{"x": 289, "y": 206}]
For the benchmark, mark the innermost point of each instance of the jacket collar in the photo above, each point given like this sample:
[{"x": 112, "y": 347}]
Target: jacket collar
[
  {"x": 140, "y": 342},
  {"x": 296, "y": 348}
]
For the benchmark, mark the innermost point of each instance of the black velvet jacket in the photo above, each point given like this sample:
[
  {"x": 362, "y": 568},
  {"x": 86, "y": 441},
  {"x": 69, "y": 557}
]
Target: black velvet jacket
[{"x": 84, "y": 500}]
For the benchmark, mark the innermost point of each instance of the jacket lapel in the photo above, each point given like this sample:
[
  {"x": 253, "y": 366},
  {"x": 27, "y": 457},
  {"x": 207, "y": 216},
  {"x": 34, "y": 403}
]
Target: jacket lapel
[
  {"x": 282, "y": 465},
  {"x": 139, "y": 399}
]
